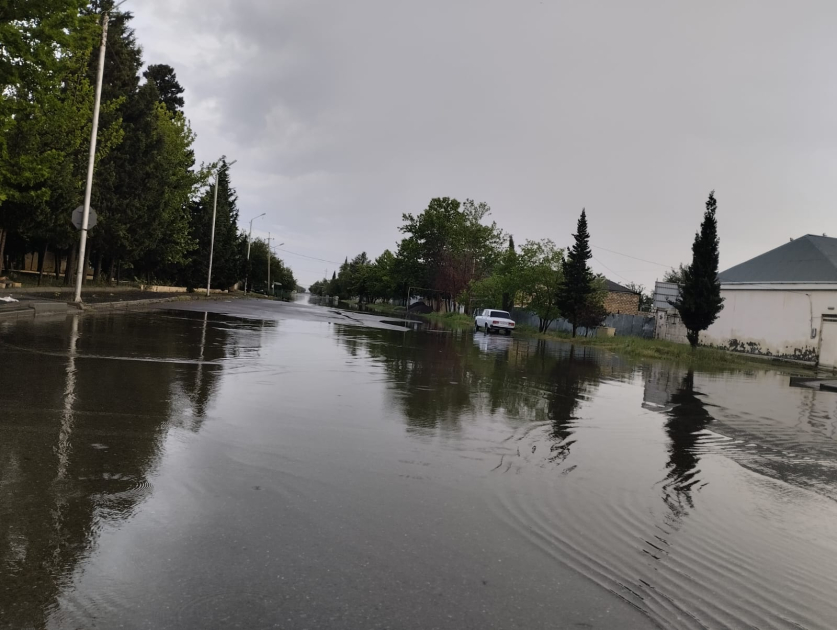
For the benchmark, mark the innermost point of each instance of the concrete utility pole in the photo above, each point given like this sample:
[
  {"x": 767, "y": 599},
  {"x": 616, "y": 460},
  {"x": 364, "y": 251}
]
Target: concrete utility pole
[
  {"x": 81, "y": 272},
  {"x": 250, "y": 240},
  {"x": 268, "y": 262},
  {"x": 212, "y": 237}
]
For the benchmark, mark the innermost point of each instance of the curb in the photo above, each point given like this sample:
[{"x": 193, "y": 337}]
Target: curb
[{"x": 66, "y": 308}]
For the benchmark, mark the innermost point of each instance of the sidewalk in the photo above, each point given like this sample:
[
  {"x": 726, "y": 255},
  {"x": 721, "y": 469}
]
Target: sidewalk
[{"x": 57, "y": 301}]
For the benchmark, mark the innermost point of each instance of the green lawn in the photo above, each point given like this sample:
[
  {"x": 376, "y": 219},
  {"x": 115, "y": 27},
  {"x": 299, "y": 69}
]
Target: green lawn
[
  {"x": 659, "y": 349},
  {"x": 636, "y": 347}
]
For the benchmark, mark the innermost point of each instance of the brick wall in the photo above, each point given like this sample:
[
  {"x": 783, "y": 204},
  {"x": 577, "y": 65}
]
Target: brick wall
[{"x": 625, "y": 303}]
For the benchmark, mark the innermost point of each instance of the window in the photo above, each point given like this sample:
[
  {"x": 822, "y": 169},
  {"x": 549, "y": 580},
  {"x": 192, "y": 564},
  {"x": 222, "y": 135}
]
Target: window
[{"x": 499, "y": 314}]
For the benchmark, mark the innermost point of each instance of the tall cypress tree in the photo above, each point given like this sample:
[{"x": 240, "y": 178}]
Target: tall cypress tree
[
  {"x": 577, "y": 285},
  {"x": 700, "y": 299}
]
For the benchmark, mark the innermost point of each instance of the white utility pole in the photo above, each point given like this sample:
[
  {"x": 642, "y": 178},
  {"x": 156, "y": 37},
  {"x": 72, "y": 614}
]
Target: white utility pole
[
  {"x": 250, "y": 240},
  {"x": 268, "y": 262},
  {"x": 81, "y": 272},
  {"x": 212, "y": 237}
]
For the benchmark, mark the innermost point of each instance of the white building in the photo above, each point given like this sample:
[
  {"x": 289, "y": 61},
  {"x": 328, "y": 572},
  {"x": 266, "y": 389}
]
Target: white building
[{"x": 782, "y": 303}]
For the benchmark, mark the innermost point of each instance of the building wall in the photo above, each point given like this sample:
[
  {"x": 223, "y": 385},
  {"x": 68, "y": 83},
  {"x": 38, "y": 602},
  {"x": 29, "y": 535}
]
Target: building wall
[
  {"x": 626, "y": 303},
  {"x": 783, "y": 323}
]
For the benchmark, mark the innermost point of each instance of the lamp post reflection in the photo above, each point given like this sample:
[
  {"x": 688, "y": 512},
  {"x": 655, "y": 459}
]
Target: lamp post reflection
[{"x": 67, "y": 415}]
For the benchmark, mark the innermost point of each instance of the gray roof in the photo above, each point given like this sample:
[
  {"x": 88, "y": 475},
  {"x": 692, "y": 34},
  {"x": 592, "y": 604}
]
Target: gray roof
[
  {"x": 806, "y": 259},
  {"x": 613, "y": 287}
]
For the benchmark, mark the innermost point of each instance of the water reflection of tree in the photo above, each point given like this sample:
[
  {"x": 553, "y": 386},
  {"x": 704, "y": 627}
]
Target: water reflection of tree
[
  {"x": 686, "y": 419},
  {"x": 573, "y": 378},
  {"x": 76, "y": 457},
  {"x": 438, "y": 379}
]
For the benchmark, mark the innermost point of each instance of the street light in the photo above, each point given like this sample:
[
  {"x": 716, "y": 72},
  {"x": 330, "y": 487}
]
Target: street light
[
  {"x": 212, "y": 238},
  {"x": 81, "y": 272},
  {"x": 250, "y": 240},
  {"x": 269, "y": 252}
]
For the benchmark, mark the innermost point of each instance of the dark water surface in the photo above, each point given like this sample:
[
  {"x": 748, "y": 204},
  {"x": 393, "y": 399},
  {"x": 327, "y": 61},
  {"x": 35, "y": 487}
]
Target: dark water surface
[{"x": 294, "y": 468}]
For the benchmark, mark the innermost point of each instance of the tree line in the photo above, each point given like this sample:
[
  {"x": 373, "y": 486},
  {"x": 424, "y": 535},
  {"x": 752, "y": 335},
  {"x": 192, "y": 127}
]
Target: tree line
[
  {"x": 154, "y": 203},
  {"x": 451, "y": 255}
]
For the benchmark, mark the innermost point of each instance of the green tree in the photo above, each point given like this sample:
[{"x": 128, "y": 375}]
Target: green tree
[
  {"x": 700, "y": 301},
  {"x": 230, "y": 246},
  {"x": 675, "y": 275},
  {"x": 47, "y": 148},
  {"x": 383, "y": 282},
  {"x": 36, "y": 37},
  {"x": 509, "y": 274},
  {"x": 319, "y": 288},
  {"x": 169, "y": 89},
  {"x": 541, "y": 266},
  {"x": 646, "y": 300},
  {"x": 358, "y": 278},
  {"x": 593, "y": 311},
  {"x": 448, "y": 247},
  {"x": 577, "y": 283}
]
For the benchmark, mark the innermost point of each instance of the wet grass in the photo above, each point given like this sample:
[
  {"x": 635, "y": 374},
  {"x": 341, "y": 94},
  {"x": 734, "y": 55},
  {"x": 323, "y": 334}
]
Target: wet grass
[
  {"x": 451, "y": 320},
  {"x": 702, "y": 356},
  {"x": 386, "y": 309},
  {"x": 635, "y": 347}
]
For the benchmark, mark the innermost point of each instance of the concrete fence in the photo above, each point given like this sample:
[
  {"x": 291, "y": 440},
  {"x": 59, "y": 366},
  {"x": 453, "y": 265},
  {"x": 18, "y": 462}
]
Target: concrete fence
[
  {"x": 670, "y": 327},
  {"x": 641, "y": 325}
]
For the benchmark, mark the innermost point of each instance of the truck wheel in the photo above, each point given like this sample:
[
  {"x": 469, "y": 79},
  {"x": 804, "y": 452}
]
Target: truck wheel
[
  {"x": 508, "y": 332},
  {"x": 476, "y": 327}
]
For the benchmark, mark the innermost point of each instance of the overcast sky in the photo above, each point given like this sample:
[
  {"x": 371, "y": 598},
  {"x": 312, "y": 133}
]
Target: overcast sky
[{"x": 344, "y": 114}]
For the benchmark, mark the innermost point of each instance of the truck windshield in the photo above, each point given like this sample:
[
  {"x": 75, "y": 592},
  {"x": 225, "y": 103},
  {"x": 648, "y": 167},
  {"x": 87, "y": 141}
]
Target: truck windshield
[{"x": 502, "y": 314}]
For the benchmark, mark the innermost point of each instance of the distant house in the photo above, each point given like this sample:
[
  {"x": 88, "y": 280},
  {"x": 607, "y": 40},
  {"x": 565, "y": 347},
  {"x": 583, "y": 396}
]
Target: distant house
[
  {"x": 782, "y": 303},
  {"x": 621, "y": 299}
]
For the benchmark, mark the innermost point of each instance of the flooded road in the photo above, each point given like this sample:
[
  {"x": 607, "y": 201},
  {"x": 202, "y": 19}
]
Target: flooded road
[{"x": 267, "y": 465}]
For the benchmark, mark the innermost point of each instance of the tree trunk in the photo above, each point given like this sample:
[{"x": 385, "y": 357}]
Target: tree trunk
[
  {"x": 2, "y": 249},
  {"x": 112, "y": 270},
  {"x": 575, "y": 327},
  {"x": 68, "y": 271},
  {"x": 118, "y": 272},
  {"x": 41, "y": 259},
  {"x": 57, "y": 256},
  {"x": 693, "y": 336},
  {"x": 97, "y": 272}
]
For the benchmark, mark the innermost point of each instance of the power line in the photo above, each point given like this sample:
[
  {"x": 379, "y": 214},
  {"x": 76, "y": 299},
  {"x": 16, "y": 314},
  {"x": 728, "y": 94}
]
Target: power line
[
  {"x": 333, "y": 262},
  {"x": 611, "y": 270},
  {"x": 650, "y": 262}
]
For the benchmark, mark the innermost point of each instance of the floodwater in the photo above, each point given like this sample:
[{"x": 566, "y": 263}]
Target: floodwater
[{"x": 266, "y": 465}]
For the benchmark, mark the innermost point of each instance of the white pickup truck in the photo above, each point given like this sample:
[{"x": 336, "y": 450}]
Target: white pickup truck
[{"x": 490, "y": 321}]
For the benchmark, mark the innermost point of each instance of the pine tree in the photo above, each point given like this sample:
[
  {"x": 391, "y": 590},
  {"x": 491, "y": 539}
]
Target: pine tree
[
  {"x": 577, "y": 284},
  {"x": 168, "y": 88},
  {"x": 230, "y": 246},
  {"x": 700, "y": 299}
]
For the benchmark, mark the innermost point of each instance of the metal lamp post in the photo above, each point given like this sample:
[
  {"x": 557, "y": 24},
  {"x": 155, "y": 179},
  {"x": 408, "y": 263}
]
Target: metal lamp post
[
  {"x": 212, "y": 237},
  {"x": 81, "y": 272},
  {"x": 269, "y": 253},
  {"x": 249, "y": 241}
]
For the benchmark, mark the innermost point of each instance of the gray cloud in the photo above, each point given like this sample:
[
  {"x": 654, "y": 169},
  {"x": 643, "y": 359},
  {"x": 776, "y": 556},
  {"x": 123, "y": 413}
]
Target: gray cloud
[{"x": 343, "y": 115}]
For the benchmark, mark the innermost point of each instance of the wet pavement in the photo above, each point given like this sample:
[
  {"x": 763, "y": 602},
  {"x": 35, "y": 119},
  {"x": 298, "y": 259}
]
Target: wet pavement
[{"x": 254, "y": 464}]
